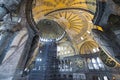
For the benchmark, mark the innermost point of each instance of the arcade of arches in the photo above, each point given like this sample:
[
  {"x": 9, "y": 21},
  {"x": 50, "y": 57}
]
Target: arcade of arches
[{"x": 59, "y": 40}]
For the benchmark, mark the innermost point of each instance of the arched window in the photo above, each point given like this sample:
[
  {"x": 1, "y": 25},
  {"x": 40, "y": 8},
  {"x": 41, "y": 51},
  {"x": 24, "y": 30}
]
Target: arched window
[
  {"x": 105, "y": 78},
  {"x": 95, "y": 63},
  {"x": 90, "y": 66},
  {"x": 100, "y": 63},
  {"x": 99, "y": 78}
]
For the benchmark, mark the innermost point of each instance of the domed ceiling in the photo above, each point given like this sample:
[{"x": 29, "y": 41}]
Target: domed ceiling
[
  {"x": 74, "y": 16},
  {"x": 43, "y": 7},
  {"x": 50, "y": 30}
]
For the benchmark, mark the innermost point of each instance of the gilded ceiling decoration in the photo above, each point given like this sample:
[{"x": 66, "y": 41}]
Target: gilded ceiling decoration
[
  {"x": 71, "y": 21},
  {"x": 42, "y": 7},
  {"x": 74, "y": 16},
  {"x": 77, "y": 24}
]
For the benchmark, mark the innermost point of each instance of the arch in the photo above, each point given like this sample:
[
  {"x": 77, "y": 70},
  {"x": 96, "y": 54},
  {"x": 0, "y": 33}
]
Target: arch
[{"x": 101, "y": 5}]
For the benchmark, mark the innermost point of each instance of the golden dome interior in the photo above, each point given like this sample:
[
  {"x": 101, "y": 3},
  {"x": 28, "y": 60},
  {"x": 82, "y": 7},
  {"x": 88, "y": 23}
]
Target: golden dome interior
[
  {"x": 43, "y": 7},
  {"x": 74, "y": 16}
]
